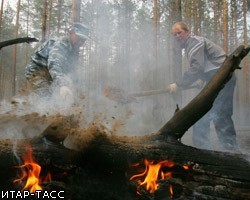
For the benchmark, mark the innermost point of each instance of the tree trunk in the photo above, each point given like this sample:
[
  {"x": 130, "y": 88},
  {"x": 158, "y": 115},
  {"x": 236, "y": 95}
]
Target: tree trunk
[
  {"x": 225, "y": 26},
  {"x": 195, "y": 17},
  {"x": 14, "y": 74},
  {"x": 76, "y": 10},
  {"x": 216, "y": 19},
  {"x": 246, "y": 61},
  {"x": 1, "y": 63},
  {"x": 44, "y": 21},
  {"x": 50, "y": 17},
  {"x": 1, "y": 17},
  {"x": 59, "y": 17}
]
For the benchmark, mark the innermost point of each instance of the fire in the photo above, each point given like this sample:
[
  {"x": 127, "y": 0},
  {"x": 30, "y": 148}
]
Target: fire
[
  {"x": 31, "y": 172},
  {"x": 154, "y": 172}
]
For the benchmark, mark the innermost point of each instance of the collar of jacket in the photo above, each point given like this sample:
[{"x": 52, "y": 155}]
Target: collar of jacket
[{"x": 184, "y": 44}]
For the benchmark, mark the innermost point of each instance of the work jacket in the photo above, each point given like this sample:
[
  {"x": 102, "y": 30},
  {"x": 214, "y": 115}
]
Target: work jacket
[
  {"x": 203, "y": 57},
  {"x": 55, "y": 57}
]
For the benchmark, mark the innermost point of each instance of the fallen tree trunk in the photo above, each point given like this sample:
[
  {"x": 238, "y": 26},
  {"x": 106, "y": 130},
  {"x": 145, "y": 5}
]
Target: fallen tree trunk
[{"x": 105, "y": 161}]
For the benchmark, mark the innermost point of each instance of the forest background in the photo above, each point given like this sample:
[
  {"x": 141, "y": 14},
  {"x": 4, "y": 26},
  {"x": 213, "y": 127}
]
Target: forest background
[{"x": 131, "y": 48}]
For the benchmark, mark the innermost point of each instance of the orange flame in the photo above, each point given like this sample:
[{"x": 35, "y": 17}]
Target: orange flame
[
  {"x": 31, "y": 172},
  {"x": 153, "y": 172}
]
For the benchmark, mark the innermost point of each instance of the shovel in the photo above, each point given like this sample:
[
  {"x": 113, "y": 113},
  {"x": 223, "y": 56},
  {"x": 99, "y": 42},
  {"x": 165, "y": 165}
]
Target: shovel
[{"x": 121, "y": 96}]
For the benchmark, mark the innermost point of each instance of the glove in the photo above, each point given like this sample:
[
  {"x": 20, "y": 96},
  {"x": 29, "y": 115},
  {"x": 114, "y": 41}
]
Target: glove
[
  {"x": 65, "y": 93},
  {"x": 172, "y": 87},
  {"x": 199, "y": 84}
]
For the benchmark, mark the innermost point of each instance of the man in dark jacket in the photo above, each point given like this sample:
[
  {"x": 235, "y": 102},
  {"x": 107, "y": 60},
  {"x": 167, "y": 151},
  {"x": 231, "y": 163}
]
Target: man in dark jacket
[
  {"x": 53, "y": 60},
  {"x": 205, "y": 58}
]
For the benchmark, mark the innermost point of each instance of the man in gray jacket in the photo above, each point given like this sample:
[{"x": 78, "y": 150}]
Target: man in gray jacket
[
  {"x": 53, "y": 60},
  {"x": 205, "y": 58}
]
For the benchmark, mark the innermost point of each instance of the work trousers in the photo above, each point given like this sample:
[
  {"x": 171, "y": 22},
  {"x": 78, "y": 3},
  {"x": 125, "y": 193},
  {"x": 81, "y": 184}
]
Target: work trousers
[
  {"x": 221, "y": 115},
  {"x": 39, "y": 79}
]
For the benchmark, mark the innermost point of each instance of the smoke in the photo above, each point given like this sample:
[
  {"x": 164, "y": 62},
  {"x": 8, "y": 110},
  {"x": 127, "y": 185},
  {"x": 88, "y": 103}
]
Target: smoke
[
  {"x": 121, "y": 54},
  {"x": 27, "y": 116}
]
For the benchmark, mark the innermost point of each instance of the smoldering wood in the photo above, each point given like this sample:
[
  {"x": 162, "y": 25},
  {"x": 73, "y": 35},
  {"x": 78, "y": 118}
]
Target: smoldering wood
[
  {"x": 17, "y": 41},
  {"x": 213, "y": 174}
]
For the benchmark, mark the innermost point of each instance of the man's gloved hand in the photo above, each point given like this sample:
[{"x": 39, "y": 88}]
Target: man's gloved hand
[
  {"x": 172, "y": 87},
  {"x": 199, "y": 84},
  {"x": 65, "y": 93}
]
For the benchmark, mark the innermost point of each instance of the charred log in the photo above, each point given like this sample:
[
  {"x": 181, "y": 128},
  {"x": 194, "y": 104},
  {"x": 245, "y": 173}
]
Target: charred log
[{"x": 106, "y": 163}]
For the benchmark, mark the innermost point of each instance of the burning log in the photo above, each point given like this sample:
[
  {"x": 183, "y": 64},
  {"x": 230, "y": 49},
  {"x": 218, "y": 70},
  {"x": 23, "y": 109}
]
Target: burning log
[
  {"x": 209, "y": 170},
  {"x": 101, "y": 166},
  {"x": 108, "y": 162}
]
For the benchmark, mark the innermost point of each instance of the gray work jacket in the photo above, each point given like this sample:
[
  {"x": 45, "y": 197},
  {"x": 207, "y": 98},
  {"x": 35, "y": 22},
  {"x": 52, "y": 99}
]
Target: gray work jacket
[
  {"x": 57, "y": 57},
  {"x": 203, "y": 56}
]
